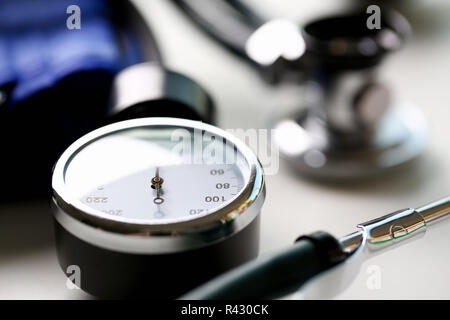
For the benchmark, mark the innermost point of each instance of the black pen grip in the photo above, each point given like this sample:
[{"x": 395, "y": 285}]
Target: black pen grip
[{"x": 274, "y": 275}]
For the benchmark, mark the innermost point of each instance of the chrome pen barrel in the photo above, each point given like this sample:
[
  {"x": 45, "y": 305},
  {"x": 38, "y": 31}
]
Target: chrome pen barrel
[
  {"x": 436, "y": 211},
  {"x": 396, "y": 227}
]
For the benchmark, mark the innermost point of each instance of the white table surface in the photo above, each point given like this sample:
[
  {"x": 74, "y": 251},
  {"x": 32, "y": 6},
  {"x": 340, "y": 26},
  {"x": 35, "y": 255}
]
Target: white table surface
[{"x": 294, "y": 206}]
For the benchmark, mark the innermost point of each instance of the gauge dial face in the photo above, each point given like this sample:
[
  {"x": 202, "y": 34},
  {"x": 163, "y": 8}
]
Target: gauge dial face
[{"x": 156, "y": 174}]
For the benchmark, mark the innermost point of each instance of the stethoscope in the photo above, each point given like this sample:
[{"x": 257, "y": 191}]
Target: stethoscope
[
  {"x": 353, "y": 126},
  {"x": 142, "y": 221}
]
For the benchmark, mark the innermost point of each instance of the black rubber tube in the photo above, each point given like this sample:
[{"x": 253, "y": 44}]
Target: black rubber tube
[
  {"x": 273, "y": 276},
  {"x": 230, "y": 22}
]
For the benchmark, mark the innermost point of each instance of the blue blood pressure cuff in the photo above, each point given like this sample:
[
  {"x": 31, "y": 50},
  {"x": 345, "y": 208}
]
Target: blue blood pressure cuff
[
  {"x": 55, "y": 80},
  {"x": 38, "y": 49}
]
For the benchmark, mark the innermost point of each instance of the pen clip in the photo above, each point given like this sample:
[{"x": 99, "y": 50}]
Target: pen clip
[{"x": 393, "y": 228}]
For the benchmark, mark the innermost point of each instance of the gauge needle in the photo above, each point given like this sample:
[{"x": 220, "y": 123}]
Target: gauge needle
[{"x": 157, "y": 182}]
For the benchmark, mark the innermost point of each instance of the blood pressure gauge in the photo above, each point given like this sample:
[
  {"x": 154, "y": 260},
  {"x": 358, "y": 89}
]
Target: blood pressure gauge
[{"x": 153, "y": 207}]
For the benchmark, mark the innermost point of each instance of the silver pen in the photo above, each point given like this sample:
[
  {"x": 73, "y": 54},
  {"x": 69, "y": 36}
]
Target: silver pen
[{"x": 372, "y": 238}]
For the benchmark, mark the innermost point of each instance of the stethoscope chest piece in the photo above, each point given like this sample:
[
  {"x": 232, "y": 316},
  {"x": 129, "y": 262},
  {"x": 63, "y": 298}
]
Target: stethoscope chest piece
[
  {"x": 353, "y": 126},
  {"x": 309, "y": 147}
]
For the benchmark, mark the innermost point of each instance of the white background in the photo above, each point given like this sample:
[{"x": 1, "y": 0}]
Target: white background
[{"x": 294, "y": 206}]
